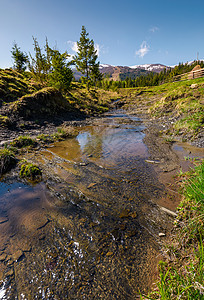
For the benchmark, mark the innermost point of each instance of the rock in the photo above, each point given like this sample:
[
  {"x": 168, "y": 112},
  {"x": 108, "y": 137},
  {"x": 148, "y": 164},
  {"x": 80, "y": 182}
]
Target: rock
[
  {"x": 152, "y": 161},
  {"x": 161, "y": 234},
  {"x": 194, "y": 85},
  {"x": 170, "y": 212},
  {"x": 16, "y": 255},
  {"x": 83, "y": 164}
]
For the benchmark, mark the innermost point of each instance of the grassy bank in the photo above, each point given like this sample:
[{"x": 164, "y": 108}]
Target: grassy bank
[
  {"x": 182, "y": 273},
  {"x": 180, "y": 102}
]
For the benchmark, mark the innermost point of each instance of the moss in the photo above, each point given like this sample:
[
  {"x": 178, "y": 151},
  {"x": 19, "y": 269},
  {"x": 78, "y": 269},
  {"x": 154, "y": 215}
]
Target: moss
[
  {"x": 7, "y": 160},
  {"x": 30, "y": 171},
  {"x": 45, "y": 138},
  {"x": 4, "y": 121},
  {"x": 23, "y": 141}
]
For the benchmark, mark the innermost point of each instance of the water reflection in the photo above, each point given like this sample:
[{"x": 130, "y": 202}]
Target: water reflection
[{"x": 107, "y": 141}]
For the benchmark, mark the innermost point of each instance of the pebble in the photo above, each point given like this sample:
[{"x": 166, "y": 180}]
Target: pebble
[
  {"x": 162, "y": 234},
  {"x": 194, "y": 85}
]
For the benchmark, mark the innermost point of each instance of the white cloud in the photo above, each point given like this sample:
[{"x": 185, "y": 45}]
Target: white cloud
[
  {"x": 71, "y": 57},
  {"x": 144, "y": 49},
  {"x": 73, "y": 45},
  {"x": 97, "y": 48},
  {"x": 153, "y": 29}
]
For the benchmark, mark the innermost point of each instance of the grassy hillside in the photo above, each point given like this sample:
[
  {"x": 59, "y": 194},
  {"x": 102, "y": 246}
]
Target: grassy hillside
[
  {"x": 21, "y": 96},
  {"x": 182, "y": 103},
  {"x": 14, "y": 85}
]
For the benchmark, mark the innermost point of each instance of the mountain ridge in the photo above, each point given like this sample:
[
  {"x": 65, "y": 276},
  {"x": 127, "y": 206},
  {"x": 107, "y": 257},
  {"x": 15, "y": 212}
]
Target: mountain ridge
[
  {"x": 122, "y": 72},
  {"x": 116, "y": 73}
]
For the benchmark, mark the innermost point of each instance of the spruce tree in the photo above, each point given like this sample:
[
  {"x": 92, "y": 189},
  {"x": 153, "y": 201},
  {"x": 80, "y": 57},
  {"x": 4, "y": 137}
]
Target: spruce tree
[
  {"x": 19, "y": 57},
  {"x": 86, "y": 57},
  {"x": 61, "y": 75}
]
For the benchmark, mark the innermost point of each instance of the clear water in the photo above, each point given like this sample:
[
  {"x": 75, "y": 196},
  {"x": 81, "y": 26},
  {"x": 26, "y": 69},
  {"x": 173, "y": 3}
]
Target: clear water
[{"x": 89, "y": 231}]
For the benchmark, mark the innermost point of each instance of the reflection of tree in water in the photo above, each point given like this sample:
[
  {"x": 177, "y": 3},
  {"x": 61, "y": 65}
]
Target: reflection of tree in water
[{"x": 94, "y": 145}]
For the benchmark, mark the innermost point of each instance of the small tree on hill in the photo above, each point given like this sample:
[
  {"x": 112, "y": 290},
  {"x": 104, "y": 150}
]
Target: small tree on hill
[
  {"x": 61, "y": 75},
  {"x": 86, "y": 57},
  {"x": 39, "y": 65},
  {"x": 20, "y": 58}
]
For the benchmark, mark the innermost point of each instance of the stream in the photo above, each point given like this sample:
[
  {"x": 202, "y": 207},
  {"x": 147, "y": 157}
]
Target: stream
[{"x": 90, "y": 229}]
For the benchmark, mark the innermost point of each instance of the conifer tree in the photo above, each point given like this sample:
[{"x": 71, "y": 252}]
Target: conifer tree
[
  {"x": 20, "y": 58},
  {"x": 61, "y": 75},
  {"x": 39, "y": 64},
  {"x": 86, "y": 57}
]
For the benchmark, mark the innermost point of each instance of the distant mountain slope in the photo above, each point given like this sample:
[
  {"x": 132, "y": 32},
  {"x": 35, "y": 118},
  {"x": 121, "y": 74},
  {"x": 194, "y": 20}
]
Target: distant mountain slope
[
  {"x": 122, "y": 72},
  {"x": 157, "y": 68}
]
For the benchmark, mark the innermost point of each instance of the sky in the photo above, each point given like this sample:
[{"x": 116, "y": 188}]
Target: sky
[{"x": 125, "y": 33}]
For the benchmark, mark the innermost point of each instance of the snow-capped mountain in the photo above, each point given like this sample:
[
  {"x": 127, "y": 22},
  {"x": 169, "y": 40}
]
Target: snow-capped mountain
[
  {"x": 123, "y": 72},
  {"x": 101, "y": 66},
  {"x": 151, "y": 67}
]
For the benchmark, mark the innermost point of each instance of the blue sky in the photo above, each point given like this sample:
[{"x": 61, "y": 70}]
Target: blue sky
[{"x": 125, "y": 33}]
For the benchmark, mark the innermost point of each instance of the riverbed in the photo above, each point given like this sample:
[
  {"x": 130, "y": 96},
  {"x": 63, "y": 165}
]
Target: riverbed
[{"x": 92, "y": 229}]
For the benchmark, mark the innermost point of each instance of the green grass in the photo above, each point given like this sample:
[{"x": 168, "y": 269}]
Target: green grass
[
  {"x": 45, "y": 138},
  {"x": 173, "y": 100},
  {"x": 190, "y": 122},
  {"x": 23, "y": 141},
  {"x": 30, "y": 171},
  {"x": 4, "y": 121},
  {"x": 7, "y": 160},
  {"x": 94, "y": 101},
  {"x": 14, "y": 85},
  {"x": 183, "y": 277}
]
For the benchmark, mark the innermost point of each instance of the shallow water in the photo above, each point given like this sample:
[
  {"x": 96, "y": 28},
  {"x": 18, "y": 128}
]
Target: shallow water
[{"x": 90, "y": 232}]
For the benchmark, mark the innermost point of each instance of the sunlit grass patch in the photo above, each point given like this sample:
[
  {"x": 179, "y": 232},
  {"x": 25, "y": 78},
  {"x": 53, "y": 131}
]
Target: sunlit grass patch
[
  {"x": 183, "y": 276},
  {"x": 23, "y": 141},
  {"x": 7, "y": 160},
  {"x": 30, "y": 171}
]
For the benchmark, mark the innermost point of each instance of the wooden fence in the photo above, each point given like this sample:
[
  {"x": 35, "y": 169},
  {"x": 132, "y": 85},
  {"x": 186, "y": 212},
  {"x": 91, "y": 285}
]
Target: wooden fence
[{"x": 187, "y": 76}]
